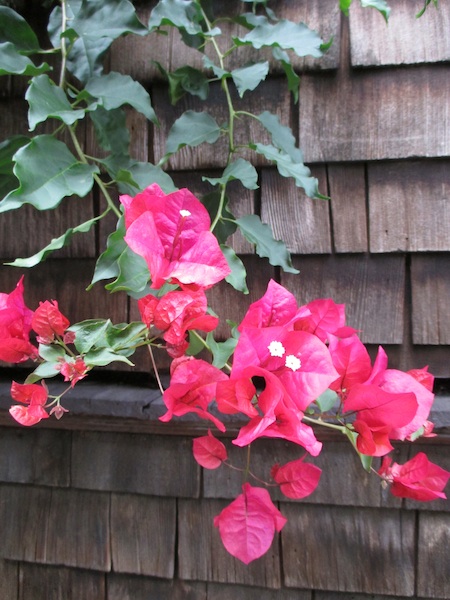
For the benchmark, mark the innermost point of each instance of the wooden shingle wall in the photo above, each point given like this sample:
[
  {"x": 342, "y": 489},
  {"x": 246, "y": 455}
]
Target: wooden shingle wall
[{"x": 100, "y": 509}]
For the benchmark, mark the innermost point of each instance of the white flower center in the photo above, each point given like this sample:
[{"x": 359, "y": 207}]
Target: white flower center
[
  {"x": 276, "y": 348},
  {"x": 185, "y": 213},
  {"x": 292, "y": 362}
]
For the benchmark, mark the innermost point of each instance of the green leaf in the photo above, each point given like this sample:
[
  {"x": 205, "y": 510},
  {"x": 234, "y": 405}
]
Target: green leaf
[
  {"x": 286, "y": 35},
  {"x": 55, "y": 244},
  {"x": 195, "y": 345},
  {"x": 48, "y": 100},
  {"x": 45, "y": 370},
  {"x": 221, "y": 351},
  {"x": 288, "y": 168},
  {"x": 218, "y": 71},
  {"x": 111, "y": 131},
  {"x": 8, "y": 181},
  {"x": 425, "y": 6},
  {"x": 47, "y": 172},
  {"x": 115, "y": 90},
  {"x": 51, "y": 353},
  {"x": 240, "y": 169},
  {"x": 282, "y": 136},
  {"x": 344, "y": 5},
  {"x": 100, "y": 357},
  {"x": 366, "y": 460},
  {"x": 14, "y": 29},
  {"x": 14, "y": 63},
  {"x": 248, "y": 78},
  {"x": 144, "y": 174},
  {"x": 121, "y": 337},
  {"x": 260, "y": 234},
  {"x": 133, "y": 273},
  {"x": 293, "y": 79},
  {"x": 97, "y": 23},
  {"x": 185, "y": 79},
  {"x": 185, "y": 15},
  {"x": 380, "y": 5},
  {"x": 107, "y": 267},
  {"x": 237, "y": 277},
  {"x": 192, "y": 129},
  {"x": 327, "y": 400},
  {"x": 88, "y": 333}
]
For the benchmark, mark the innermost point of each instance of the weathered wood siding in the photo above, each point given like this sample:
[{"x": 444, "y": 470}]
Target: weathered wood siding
[{"x": 109, "y": 504}]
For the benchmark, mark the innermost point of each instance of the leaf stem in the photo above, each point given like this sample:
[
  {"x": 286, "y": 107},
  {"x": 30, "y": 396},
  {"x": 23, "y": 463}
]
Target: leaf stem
[
  {"x": 62, "y": 74},
  {"x": 323, "y": 423}
]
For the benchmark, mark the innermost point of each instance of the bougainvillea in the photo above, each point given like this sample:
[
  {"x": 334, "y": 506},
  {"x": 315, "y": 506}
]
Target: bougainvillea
[{"x": 286, "y": 369}]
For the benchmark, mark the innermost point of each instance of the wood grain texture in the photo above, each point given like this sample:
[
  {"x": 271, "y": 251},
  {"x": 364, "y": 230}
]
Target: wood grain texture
[
  {"x": 343, "y": 481},
  {"x": 347, "y": 549},
  {"x": 9, "y": 578},
  {"x": 372, "y": 288},
  {"x": 406, "y": 40},
  {"x": 302, "y": 223},
  {"x": 433, "y": 577},
  {"x": 143, "y": 535},
  {"x": 202, "y": 556},
  {"x": 430, "y": 282},
  {"x": 217, "y": 591},
  {"x": 271, "y": 95},
  {"x": 39, "y": 582},
  {"x": 144, "y": 464},
  {"x": 122, "y": 587},
  {"x": 66, "y": 281},
  {"x": 35, "y": 456},
  {"x": 38, "y": 522},
  {"x": 348, "y": 207},
  {"x": 409, "y": 206},
  {"x": 356, "y": 115}
]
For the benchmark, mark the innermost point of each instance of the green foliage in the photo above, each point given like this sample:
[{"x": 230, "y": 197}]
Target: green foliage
[{"x": 192, "y": 129}]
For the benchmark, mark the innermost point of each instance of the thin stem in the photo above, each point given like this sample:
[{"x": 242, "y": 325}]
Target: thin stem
[
  {"x": 62, "y": 75},
  {"x": 97, "y": 179},
  {"x": 155, "y": 370},
  {"x": 319, "y": 421}
]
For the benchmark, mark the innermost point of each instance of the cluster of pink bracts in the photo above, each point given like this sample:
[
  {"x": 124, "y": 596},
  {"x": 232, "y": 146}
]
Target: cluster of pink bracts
[{"x": 285, "y": 359}]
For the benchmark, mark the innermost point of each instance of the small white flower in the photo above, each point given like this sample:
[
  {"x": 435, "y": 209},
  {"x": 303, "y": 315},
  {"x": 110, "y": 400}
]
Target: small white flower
[
  {"x": 292, "y": 362},
  {"x": 185, "y": 213},
  {"x": 276, "y": 348}
]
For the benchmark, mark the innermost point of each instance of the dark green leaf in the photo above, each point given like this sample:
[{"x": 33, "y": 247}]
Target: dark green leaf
[
  {"x": 293, "y": 79},
  {"x": 260, "y": 234},
  {"x": 14, "y": 29},
  {"x": 240, "y": 169},
  {"x": 8, "y": 181},
  {"x": 195, "y": 345},
  {"x": 425, "y": 6},
  {"x": 344, "y": 5},
  {"x": 282, "y": 136},
  {"x": 48, "y": 100},
  {"x": 192, "y": 129},
  {"x": 88, "y": 333},
  {"x": 286, "y": 35},
  {"x": 47, "y": 172},
  {"x": 55, "y": 244},
  {"x": 221, "y": 351},
  {"x": 100, "y": 357},
  {"x": 14, "y": 63},
  {"x": 115, "y": 90},
  {"x": 133, "y": 273},
  {"x": 380, "y": 5},
  {"x": 111, "y": 130},
  {"x": 248, "y": 78},
  {"x": 107, "y": 267},
  {"x": 125, "y": 336},
  {"x": 237, "y": 277},
  {"x": 366, "y": 461},
  {"x": 139, "y": 175},
  {"x": 288, "y": 168},
  {"x": 185, "y": 15}
]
